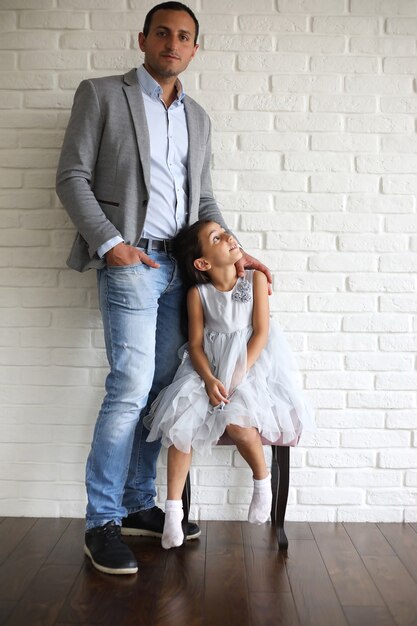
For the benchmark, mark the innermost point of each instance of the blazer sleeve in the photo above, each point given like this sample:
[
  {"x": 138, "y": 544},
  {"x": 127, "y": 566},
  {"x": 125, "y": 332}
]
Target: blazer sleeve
[
  {"x": 75, "y": 174},
  {"x": 208, "y": 208}
]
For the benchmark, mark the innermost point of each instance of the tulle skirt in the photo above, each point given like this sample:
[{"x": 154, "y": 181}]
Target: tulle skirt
[{"x": 267, "y": 397}]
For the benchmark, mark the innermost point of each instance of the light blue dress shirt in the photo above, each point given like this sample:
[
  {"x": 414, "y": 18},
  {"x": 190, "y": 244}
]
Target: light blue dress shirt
[{"x": 168, "y": 135}]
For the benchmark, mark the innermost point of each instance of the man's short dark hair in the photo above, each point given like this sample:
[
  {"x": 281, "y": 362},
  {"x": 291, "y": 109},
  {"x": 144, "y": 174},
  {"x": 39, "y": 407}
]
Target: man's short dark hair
[{"x": 170, "y": 6}]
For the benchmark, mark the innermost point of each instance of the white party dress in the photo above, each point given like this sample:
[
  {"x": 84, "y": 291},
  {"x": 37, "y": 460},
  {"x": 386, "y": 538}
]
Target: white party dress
[{"x": 266, "y": 397}]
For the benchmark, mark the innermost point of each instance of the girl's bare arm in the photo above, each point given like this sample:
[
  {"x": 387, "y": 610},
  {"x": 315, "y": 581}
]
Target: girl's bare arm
[
  {"x": 260, "y": 318},
  {"x": 214, "y": 387}
]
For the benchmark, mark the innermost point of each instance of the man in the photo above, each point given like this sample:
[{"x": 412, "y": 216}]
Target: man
[{"x": 134, "y": 169}]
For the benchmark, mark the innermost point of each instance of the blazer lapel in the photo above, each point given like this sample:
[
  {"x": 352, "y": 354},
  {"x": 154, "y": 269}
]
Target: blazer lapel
[{"x": 137, "y": 109}]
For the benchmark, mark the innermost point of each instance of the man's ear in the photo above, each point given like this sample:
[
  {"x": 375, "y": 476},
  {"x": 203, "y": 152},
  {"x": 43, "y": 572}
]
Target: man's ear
[
  {"x": 141, "y": 41},
  {"x": 202, "y": 264},
  {"x": 196, "y": 47}
]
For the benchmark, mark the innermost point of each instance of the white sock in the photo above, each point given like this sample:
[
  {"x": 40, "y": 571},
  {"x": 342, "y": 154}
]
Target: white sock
[
  {"x": 172, "y": 535},
  {"x": 260, "y": 507}
]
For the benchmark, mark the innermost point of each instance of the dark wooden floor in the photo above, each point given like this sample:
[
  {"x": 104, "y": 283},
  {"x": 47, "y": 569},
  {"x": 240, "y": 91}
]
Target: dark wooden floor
[{"x": 350, "y": 574}]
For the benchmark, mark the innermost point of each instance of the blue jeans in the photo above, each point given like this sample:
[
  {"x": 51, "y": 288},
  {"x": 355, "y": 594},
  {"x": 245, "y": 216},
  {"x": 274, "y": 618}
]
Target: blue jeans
[{"x": 143, "y": 317}]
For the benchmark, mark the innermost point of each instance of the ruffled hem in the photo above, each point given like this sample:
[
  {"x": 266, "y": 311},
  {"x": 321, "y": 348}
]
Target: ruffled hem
[{"x": 184, "y": 417}]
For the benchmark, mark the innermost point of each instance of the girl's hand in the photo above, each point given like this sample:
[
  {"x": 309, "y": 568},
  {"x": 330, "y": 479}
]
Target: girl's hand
[
  {"x": 216, "y": 392},
  {"x": 248, "y": 261}
]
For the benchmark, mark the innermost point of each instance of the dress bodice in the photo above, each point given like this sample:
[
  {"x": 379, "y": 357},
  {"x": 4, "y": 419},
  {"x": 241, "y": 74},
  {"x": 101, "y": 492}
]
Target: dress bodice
[{"x": 228, "y": 311}]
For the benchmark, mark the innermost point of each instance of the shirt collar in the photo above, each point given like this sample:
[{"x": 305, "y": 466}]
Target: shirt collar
[{"x": 153, "y": 89}]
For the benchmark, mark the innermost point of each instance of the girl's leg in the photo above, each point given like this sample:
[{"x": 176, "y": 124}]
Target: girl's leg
[
  {"x": 249, "y": 444},
  {"x": 178, "y": 467}
]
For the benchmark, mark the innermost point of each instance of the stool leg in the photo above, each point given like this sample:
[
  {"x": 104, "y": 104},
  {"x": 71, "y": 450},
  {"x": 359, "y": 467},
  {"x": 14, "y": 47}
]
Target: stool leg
[
  {"x": 280, "y": 471},
  {"x": 274, "y": 484},
  {"x": 186, "y": 503}
]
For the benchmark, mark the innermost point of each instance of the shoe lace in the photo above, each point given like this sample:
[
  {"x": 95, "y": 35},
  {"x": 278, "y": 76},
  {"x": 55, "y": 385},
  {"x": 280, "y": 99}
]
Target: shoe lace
[{"x": 111, "y": 531}]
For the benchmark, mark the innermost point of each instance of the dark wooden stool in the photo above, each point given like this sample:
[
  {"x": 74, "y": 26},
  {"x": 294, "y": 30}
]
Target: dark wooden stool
[{"x": 280, "y": 472}]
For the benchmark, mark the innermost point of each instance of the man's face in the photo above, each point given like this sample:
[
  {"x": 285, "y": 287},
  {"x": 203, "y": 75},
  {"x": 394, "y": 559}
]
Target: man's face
[{"x": 169, "y": 45}]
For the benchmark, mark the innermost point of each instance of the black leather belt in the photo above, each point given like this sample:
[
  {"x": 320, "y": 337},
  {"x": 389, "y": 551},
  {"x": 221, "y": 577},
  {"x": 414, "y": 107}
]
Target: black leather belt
[{"x": 159, "y": 245}]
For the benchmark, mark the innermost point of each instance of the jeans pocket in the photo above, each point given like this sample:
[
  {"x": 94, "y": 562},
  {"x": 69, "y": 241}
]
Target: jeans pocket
[
  {"x": 130, "y": 287},
  {"x": 121, "y": 268}
]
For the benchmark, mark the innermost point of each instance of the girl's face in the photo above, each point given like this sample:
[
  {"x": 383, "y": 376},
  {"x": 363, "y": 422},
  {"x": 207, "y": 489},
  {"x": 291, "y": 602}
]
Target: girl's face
[{"x": 219, "y": 248}]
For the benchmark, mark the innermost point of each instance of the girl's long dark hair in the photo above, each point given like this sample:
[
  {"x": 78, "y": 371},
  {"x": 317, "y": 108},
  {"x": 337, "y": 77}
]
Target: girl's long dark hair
[{"x": 186, "y": 247}]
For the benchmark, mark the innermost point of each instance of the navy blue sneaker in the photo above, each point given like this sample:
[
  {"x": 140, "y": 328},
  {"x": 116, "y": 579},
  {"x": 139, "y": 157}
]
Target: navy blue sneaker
[{"x": 108, "y": 553}]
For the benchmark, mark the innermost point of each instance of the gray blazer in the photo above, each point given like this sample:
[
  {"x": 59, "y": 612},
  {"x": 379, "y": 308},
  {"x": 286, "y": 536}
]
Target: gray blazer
[{"x": 103, "y": 177}]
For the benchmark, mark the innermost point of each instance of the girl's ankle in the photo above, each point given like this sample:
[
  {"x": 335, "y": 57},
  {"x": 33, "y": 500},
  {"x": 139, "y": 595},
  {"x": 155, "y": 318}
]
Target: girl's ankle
[{"x": 262, "y": 475}]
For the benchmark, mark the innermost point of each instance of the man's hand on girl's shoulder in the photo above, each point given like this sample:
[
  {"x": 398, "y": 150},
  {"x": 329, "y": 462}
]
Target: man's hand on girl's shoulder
[{"x": 249, "y": 262}]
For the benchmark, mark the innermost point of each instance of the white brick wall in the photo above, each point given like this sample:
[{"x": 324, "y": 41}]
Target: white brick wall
[{"x": 314, "y": 109}]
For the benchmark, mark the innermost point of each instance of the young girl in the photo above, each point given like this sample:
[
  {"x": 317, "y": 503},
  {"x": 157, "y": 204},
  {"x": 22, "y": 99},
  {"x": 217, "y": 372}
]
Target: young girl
[{"x": 235, "y": 374}]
